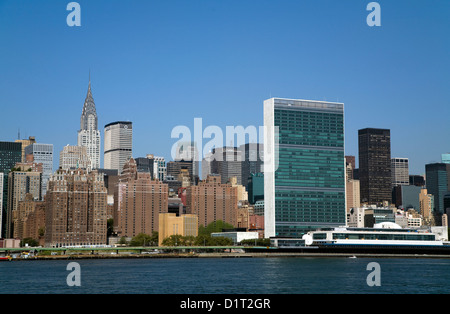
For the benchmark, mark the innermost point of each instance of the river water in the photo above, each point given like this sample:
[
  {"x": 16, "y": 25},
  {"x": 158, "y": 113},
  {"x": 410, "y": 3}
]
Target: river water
[{"x": 228, "y": 276}]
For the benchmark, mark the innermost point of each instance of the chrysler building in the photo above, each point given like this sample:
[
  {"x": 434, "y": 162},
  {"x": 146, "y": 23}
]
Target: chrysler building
[{"x": 89, "y": 135}]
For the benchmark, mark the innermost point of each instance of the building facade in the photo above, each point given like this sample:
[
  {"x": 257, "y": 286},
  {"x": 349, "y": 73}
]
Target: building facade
[
  {"x": 41, "y": 153},
  {"x": 227, "y": 162},
  {"x": 10, "y": 154},
  {"x": 25, "y": 143},
  {"x": 33, "y": 224},
  {"x": 74, "y": 157},
  {"x": 352, "y": 195},
  {"x": 25, "y": 178},
  {"x": 253, "y": 160},
  {"x": 29, "y": 218},
  {"x": 118, "y": 144},
  {"x": 89, "y": 135},
  {"x": 171, "y": 224},
  {"x": 138, "y": 202},
  {"x": 375, "y": 174},
  {"x": 212, "y": 200},
  {"x": 437, "y": 177},
  {"x": 400, "y": 171},
  {"x": 177, "y": 167},
  {"x": 188, "y": 152},
  {"x": 426, "y": 206},
  {"x": 76, "y": 205},
  {"x": 304, "y": 166},
  {"x": 255, "y": 187},
  {"x": 410, "y": 196}
]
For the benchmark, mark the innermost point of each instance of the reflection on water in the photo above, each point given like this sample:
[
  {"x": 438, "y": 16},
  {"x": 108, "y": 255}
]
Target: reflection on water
[{"x": 228, "y": 275}]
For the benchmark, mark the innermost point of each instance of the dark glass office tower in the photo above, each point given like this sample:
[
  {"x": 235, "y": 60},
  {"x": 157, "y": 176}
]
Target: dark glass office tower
[
  {"x": 304, "y": 183},
  {"x": 252, "y": 153},
  {"x": 437, "y": 183},
  {"x": 375, "y": 165},
  {"x": 10, "y": 154}
]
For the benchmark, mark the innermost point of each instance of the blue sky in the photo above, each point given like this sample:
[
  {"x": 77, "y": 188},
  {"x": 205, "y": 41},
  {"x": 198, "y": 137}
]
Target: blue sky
[{"x": 161, "y": 64}]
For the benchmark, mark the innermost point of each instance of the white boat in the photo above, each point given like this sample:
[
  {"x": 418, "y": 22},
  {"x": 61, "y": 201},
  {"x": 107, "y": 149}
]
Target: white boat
[{"x": 373, "y": 236}]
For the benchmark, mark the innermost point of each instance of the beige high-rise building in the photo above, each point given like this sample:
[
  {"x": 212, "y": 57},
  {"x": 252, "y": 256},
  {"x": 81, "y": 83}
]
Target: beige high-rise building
[
  {"x": 426, "y": 202},
  {"x": 76, "y": 203},
  {"x": 118, "y": 144},
  {"x": 171, "y": 224},
  {"x": 352, "y": 194},
  {"x": 138, "y": 202},
  {"x": 211, "y": 201},
  {"x": 74, "y": 157},
  {"x": 241, "y": 191},
  {"x": 25, "y": 143},
  {"x": 24, "y": 178}
]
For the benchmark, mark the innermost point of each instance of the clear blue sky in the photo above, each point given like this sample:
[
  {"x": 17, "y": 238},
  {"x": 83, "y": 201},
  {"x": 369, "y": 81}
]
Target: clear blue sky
[{"x": 161, "y": 64}]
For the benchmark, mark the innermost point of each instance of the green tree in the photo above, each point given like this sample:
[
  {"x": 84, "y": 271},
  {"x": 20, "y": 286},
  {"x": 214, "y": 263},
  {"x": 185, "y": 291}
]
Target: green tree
[
  {"x": 122, "y": 240},
  {"x": 207, "y": 240},
  {"x": 29, "y": 241},
  {"x": 154, "y": 239},
  {"x": 203, "y": 240},
  {"x": 173, "y": 240},
  {"x": 215, "y": 226},
  {"x": 222, "y": 241},
  {"x": 141, "y": 239},
  {"x": 257, "y": 242}
]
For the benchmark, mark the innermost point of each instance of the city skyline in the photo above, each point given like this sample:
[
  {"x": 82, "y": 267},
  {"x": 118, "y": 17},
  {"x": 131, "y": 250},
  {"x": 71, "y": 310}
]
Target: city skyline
[{"x": 219, "y": 62}]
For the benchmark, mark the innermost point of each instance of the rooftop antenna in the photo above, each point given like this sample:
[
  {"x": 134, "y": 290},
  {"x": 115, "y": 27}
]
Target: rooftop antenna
[{"x": 18, "y": 134}]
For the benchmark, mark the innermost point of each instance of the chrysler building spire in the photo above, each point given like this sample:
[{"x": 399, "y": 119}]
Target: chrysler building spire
[{"x": 89, "y": 135}]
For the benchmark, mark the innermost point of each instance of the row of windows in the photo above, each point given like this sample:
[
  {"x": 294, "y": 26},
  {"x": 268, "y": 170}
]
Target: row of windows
[{"x": 384, "y": 236}]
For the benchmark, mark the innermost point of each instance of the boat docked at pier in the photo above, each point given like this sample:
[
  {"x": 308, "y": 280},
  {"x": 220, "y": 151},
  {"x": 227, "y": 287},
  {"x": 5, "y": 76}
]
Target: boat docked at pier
[{"x": 383, "y": 240}]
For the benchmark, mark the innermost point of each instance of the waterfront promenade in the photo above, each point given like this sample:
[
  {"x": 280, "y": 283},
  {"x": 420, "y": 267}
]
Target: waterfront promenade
[{"x": 29, "y": 254}]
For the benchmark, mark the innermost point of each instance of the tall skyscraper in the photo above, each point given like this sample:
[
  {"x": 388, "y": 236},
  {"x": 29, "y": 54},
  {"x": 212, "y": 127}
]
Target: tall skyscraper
[
  {"x": 352, "y": 194},
  {"x": 252, "y": 163},
  {"x": 227, "y": 162},
  {"x": 400, "y": 171},
  {"x": 156, "y": 166},
  {"x": 25, "y": 143},
  {"x": 437, "y": 184},
  {"x": 375, "y": 165},
  {"x": 25, "y": 178},
  {"x": 175, "y": 168},
  {"x": 304, "y": 183},
  {"x": 2, "y": 178},
  {"x": 41, "y": 153},
  {"x": 416, "y": 180},
  {"x": 426, "y": 206},
  {"x": 188, "y": 152},
  {"x": 10, "y": 154},
  {"x": 159, "y": 167},
  {"x": 118, "y": 144},
  {"x": 255, "y": 187},
  {"x": 89, "y": 135},
  {"x": 76, "y": 206}
]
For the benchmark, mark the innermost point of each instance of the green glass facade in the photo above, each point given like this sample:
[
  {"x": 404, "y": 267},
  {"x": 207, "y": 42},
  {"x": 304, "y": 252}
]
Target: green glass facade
[
  {"x": 309, "y": 182},
  {"x": 255, "y": 187}
]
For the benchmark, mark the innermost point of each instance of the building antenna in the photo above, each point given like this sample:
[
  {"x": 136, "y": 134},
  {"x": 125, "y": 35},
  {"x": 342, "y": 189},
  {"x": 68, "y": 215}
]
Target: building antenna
[{"x": 18, "y": 134}]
